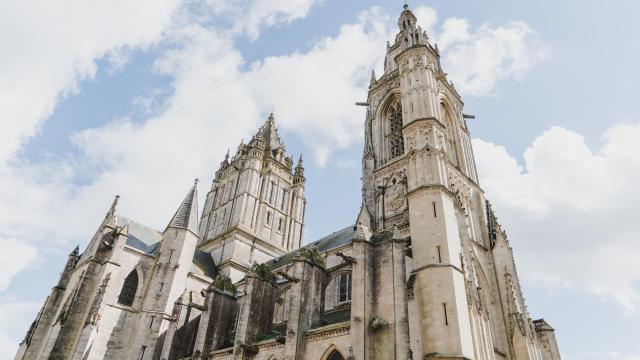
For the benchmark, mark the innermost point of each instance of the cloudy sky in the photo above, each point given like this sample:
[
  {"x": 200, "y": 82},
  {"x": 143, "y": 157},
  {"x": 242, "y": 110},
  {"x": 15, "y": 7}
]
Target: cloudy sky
[{"x": 137, "y": 98}]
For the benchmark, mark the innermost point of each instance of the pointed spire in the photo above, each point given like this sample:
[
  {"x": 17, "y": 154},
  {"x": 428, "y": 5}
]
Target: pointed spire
[
  {"x": 268, "y": 134},
  {"x": 186, "y": 217},
  {"x": 75, "y": 251},
  {"x": 373, "y": 78},
  {"x": 111, "y": 218}
]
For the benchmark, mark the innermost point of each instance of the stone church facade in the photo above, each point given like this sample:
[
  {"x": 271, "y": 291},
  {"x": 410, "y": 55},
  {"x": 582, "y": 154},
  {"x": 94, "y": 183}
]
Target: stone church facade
[{"x": 425, "y": 272}]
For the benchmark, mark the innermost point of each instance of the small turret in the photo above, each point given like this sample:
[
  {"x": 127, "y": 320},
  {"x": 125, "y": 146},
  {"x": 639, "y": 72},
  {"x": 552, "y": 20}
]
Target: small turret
[
  {"x": 373, "y": 79},
  {"x": 407, "y": 20},
  {"x": 298, "y": 174}
]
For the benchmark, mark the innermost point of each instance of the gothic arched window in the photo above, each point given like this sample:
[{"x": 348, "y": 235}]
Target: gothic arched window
[
  {"x": 128, "y": 292},
  {"x": 452, "y": 149},
  {"x": 335, "y": 355},
  {"x": 396, "y": 142},
  {"x": 344, "y": 288}
]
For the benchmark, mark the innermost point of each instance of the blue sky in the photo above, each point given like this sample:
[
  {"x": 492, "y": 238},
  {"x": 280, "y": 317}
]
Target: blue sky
[{"x": 139, "y": 98}]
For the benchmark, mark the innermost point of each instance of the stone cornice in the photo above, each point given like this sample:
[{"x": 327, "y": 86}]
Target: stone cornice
[
  {"x": 327, "y": 331},
  {"x": 432, "y": 266}
]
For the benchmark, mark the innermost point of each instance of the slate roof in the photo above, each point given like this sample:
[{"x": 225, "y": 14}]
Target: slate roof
[
  {"x": 332, "y": 241},
  {"x": 203, "y": 264},
  {"x": 186, "y": 217},
  {"x": 141, "y": 237},
  {"x": 148, "y": 240}
]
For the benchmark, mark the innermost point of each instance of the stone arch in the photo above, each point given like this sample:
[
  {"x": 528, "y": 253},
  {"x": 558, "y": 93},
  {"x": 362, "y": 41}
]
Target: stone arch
[
  {"x": 332, "y": 353},
  {"x": 452, "y": 132},
  {"x": 388, "y": 139},
  {"x": 281, "y": 307},
  {"x": 131, "y": 287},
  {"x": 488, "y": 308}
]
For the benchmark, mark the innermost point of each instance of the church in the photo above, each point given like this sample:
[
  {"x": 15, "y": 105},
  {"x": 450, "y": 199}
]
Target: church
[{"x": 424, "y": 272}]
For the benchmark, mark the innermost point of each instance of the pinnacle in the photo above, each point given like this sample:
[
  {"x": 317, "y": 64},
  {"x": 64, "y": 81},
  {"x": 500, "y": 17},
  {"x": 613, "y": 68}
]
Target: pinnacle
[{"x": 186, "y": 217}]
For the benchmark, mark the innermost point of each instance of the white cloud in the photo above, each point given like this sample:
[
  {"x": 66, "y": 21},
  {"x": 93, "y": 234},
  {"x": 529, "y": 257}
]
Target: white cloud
[
  {"x": 476, "y": 61},
  {"x": 15, "y": 317},
  {"x": 252, "y": 15},
  {"x": 14, "y": 257},
  {"x": 574, "y": 207},
  {"x": 48, "y": 47}
]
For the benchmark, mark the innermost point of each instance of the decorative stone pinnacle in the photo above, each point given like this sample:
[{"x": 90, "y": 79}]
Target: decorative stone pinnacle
[{"x": 195, "y": 181}]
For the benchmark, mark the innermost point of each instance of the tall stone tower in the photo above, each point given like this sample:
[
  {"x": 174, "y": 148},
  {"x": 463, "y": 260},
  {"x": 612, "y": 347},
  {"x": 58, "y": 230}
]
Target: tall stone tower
[
  {"x": 419, "y": 176},
  {"x": 255, "y": 209}
]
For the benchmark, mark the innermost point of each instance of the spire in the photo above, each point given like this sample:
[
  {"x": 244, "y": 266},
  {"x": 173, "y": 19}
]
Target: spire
[
  {"x": 373, "y": 78},
  {"x": 111, "y": 218},
  {"x": 75, "y": 251},
  {"x": 298, "y": 173},
  {"x": 187, "y": 215},
  {"x": 268, "y": 134}
]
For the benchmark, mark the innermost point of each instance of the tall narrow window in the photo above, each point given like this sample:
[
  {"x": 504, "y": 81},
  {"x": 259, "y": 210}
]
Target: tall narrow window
[
  {"x": 284, "y": 199},
  {"x": 268, "y": 218},
  {"x": 142, "y": 351},
  {"x": 396, "y": 141},
  {"x": 444, "y": 309},
  {"x": 452, "y": 149},
  {"x": 344, "y": 288},
  {"x": 128, "y": 292},
  {"x": 439, "y": 254},
  {"x": 273, "y": 192}
]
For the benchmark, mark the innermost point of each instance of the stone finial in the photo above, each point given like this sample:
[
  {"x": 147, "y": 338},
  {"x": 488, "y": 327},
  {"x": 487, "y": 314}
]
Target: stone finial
[
  {"x": 359, "y": 233},
  {"x": 373, "y": 78},
  {"x": 395, "y": 235},
  {"x": 75, "y": 251}
]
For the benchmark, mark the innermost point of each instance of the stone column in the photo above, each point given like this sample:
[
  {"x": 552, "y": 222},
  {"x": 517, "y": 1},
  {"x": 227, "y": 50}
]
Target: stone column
[
  {"x": 256, "y": 311},
  {"x": 216, "y": 322},
  {"x": 305, "y": 303},
  {"x": 171, "y": 330},
  {"x": 361, "y": 296}
]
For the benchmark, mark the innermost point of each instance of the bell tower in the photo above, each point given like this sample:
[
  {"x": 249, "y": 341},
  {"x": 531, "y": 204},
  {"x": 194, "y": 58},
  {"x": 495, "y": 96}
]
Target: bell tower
[
  {"x": 255, "y": 209},
  {"x": 419, "y": 176}
]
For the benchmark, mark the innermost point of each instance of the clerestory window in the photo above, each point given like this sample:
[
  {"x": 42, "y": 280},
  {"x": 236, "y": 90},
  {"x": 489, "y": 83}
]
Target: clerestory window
[
  {"x": 344, "y": 287},
  {"x": 129, "y": 288}
]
